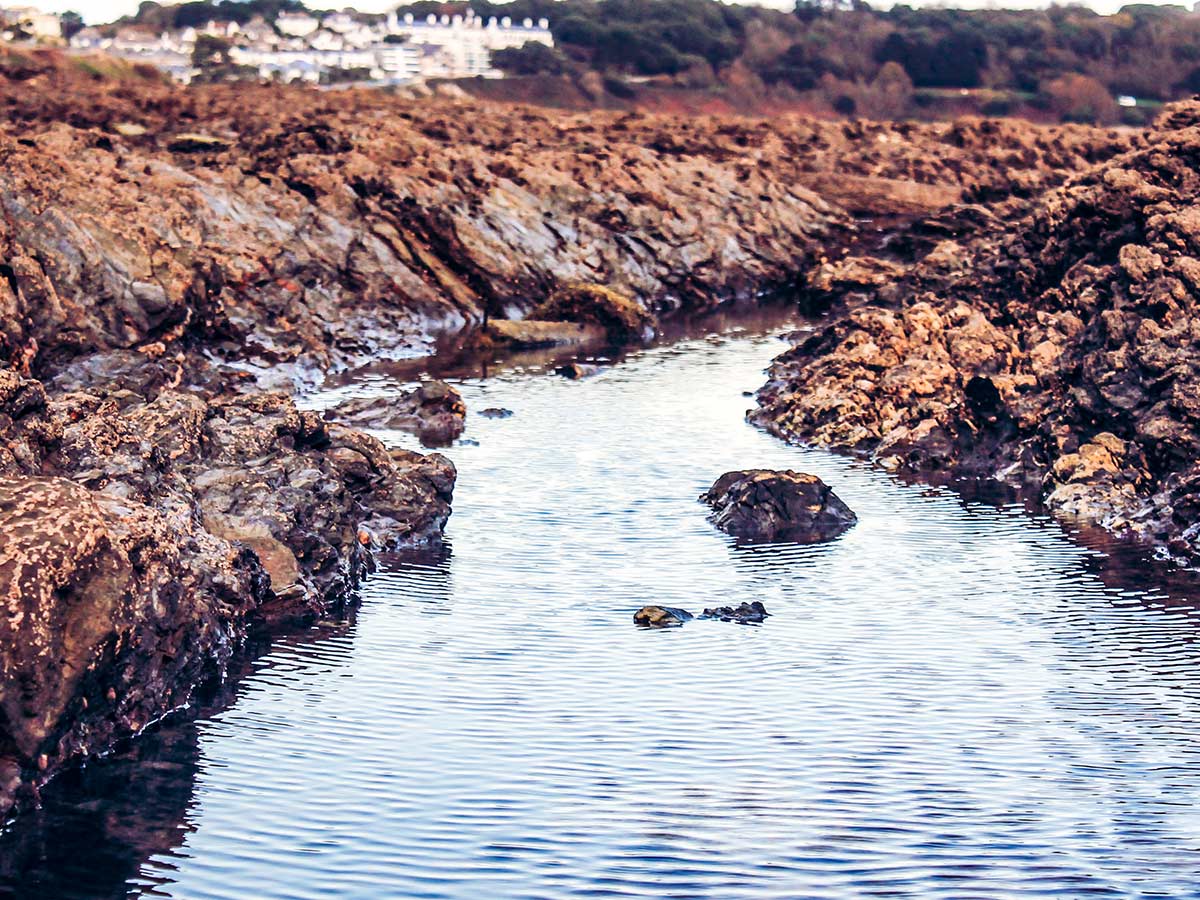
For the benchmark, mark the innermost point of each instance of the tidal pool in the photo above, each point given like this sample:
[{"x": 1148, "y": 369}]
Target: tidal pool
[{"x": 952, "y": 700}]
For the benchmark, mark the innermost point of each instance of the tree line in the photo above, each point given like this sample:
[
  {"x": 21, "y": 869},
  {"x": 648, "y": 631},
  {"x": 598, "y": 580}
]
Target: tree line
[{"x": 1068, "y": 59}]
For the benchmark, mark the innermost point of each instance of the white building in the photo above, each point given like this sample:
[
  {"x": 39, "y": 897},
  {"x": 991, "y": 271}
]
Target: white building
[
  {"x": 296, "y": 24},
  {"x": 28, "y": 20},
  {"x": 461, "y": 46},
  {"x": 301, "y": 47}
]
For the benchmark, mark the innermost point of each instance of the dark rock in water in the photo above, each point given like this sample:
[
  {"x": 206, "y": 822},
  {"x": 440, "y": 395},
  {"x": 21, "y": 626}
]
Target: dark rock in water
[
  {"x": 496, "y": 412},
  {"x": 434, "y": 411},
  {"x": 575, "y": 371},
  {"x": 661, "y": 616},
  {"x": 761, "y": 505},
  {"x": 743, "y": 614}
]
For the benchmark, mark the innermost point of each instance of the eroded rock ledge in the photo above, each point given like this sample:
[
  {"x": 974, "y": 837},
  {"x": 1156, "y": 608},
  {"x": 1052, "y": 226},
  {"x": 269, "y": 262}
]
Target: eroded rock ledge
[{"x": 141, "y": 536}]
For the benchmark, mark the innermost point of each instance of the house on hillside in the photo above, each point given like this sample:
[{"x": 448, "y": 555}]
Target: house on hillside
[
  {"x": 297, "y": 24},
  {"x": 461, "y": 46},
  {"x": 29, "y": 23}
]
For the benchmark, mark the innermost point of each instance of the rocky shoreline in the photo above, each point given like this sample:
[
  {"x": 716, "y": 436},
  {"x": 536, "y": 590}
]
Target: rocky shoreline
[
  {"x": 1051, "y": 346},
  {"x": 175, "y": 264}
]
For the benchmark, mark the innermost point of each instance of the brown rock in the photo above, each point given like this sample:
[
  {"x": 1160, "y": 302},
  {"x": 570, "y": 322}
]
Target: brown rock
[
  {"x": 764, "y": 505},
  {"x": 660, "y": 617}
]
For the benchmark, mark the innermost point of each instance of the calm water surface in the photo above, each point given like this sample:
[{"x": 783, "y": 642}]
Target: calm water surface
[{"x": 949, "y": 701}]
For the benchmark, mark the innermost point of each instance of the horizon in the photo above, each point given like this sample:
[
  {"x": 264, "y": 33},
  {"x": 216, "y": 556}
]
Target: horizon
[{"x": 99, "y": 12}]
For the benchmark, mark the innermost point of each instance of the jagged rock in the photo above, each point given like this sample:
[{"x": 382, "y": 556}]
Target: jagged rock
[
  {"x": 1052, "y": 345},
  {"x": 434, "y": 411},
  {"x": 660, "y": 617},
  {"x": 171, "y": 524},
  {"x": 112, "y": 613},
  {"x": 763, "y": 505}
]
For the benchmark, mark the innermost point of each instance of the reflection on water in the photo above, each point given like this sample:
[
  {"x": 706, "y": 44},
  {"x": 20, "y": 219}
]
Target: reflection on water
[{"x": 951, "y": 700}]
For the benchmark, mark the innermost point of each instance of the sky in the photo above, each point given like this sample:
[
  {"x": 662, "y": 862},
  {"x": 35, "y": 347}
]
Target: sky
[{"x": 96, "y": 11}]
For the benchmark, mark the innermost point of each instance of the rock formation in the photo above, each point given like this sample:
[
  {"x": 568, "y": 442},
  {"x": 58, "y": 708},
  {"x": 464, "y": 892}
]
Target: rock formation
[
  {"x": 760, "y": 505},
  {"x": 142, "y": 535},
  {"x": 1059, "y": 350}
]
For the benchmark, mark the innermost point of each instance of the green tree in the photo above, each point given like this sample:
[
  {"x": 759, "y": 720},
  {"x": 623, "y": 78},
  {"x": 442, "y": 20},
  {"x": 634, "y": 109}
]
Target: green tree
[
  {"x": 72, "y": 24},
  {"x": 532, "y": 58}
]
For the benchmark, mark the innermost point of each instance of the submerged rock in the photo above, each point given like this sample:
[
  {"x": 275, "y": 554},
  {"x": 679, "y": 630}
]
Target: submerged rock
[
  {"x": 661, "y": 616},
  {"x": 764, "y": 505},
  {"x": 434, "y": 411},
  {"x": 744, "y": 613},
  {"x": 496, "y": 412}
]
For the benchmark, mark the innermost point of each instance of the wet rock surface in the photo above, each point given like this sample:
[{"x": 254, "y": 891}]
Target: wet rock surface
[
  {"x": 434, "y": 411},
  {"x": 142, "y": 537},
  {"x": 1058, "y": 351},
  {"x": 112, "y": 613},
  {"x": 535, "y": 333},
  {"x": 621, "y": 318},
  {"x": 761, "y": 505}
]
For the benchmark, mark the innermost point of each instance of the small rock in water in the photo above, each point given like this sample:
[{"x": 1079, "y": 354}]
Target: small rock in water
[
  {"x": 575, "y": 371},
  {"x": 745, "y": 614},
  {"x": 760, "y": 505},
  {"x": 495, "y": 412},
  {"x": 660, "y": 617},
  {"x": 434, "y": 411}
]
